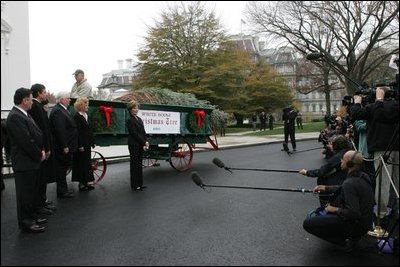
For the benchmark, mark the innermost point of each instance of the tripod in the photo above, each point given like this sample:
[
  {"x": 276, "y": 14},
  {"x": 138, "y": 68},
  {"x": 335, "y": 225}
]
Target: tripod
[{"x": 378, "y": 231}]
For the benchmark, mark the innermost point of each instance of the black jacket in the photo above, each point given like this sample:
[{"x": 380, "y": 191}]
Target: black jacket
[
  {"x": 379, "y": 132},
  {"x": 39, "y": 115},
  {"x": 64, "y": 129},
  {"x": 85, "y": 133},
  {"x": 355, "y": 200},
  {"x": 26, "y": 141},
  {"x": 288, "y": 118},
  {"x": 137, "y": 134},
  {"x": 330, "y": 173}
]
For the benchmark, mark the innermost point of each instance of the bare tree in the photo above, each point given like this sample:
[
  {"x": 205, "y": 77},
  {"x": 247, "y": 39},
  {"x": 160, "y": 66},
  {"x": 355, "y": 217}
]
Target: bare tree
[{"x": 346, "y": 33}]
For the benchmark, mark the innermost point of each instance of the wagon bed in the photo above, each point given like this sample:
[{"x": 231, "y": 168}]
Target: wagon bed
[{"x": 172, "y": 131}]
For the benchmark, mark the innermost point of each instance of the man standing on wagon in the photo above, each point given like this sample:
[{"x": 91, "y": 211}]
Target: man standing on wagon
[{"x": 81, "y": 88}]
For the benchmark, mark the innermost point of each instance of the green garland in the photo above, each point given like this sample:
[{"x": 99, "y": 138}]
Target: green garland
[
  {"x": 192, "y": 123},
  {"x": 97, "y": 121}
]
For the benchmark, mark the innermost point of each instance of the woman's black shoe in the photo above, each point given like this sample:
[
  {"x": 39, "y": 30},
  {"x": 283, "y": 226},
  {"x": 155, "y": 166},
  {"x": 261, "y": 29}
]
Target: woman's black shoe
[
  {"x": 83, "y": 188},
  {"x": 90, "y": 186}
]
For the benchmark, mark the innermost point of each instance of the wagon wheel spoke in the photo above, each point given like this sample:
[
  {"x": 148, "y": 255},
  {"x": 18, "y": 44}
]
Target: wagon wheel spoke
[
  {"x": 181, "y": 155},
  {"x": 99, "y": 166}
]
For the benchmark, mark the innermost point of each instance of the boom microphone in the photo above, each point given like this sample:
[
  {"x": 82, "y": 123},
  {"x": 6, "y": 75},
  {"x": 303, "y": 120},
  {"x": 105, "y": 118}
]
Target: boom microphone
[
  {"x": 220, "y": 164},
  {"x": 314, "y": 56},
  {"x": 197, "y": 180}
]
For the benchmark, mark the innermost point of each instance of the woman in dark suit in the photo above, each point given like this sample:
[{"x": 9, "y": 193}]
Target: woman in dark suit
[
  {"x": 137, "y": 143},
  {"x": 81, "y": 167}
]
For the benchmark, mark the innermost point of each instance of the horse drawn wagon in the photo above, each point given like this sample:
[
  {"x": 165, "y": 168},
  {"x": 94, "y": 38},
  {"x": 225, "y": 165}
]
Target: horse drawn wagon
[{"x": 172, "y": 131}]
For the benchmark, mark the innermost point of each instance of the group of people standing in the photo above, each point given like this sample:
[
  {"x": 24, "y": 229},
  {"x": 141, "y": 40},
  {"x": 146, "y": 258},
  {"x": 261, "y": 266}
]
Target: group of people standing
[
  {"x": 44, "y": 148},
  {"x": 264, "y": 119}
]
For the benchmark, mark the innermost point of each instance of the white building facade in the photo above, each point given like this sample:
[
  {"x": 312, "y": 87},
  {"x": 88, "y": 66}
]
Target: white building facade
[{"x": 15, "y": 57}]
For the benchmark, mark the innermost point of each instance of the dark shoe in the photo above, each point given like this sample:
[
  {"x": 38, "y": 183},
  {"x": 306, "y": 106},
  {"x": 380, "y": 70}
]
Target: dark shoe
[
  {"x": 41, "y": 221},
  {"x": 83, "y": 188},
  {"x": 50, "y": 207},
  {"x": 66, "y": 195},
  {"x": 44, "y": 211},
  {"x": 34, "y": 229},
  {"x": 348, "y": 245},
  {"x": 143, "y": 186},
  {"x": 294, "y": 150},
  {"x": 48, "y": 202},
  {"x": 90, "y": 186},
  {"x": 138, "y": 188}
]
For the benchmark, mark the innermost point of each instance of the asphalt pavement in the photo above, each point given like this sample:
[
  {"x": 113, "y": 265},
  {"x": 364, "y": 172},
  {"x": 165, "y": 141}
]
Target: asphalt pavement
[{"x": 173, "y": 222}]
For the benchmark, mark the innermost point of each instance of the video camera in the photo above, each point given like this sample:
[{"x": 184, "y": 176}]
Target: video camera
[{"x": 368, "y": 95}]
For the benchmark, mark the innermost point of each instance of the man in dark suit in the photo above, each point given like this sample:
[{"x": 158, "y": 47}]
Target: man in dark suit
[
  {"x": 39, "y": 115},
  {"x": 288, "y": 117},
  {"x": 65, "y": 136},
  {"x": 27, "y": 153}
]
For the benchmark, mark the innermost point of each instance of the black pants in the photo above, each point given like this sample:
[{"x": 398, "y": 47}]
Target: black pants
[
  {"x": 136, "y": 168},
  {"x": 62, "y": 162},
  {"x": 331, "y": 228},
  {"x": 299, "y": 124},
  {"x": 26, "y": 188},
  {"x": 41, "y": 196},
  {"x": 290, "y": 132}
]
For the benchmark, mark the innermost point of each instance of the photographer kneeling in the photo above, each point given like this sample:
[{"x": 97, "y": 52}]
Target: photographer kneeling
[
  {"x": 382, "y": 136},
  {"x": 330, "y": 173},
  {"x": 349, "y": 216}
]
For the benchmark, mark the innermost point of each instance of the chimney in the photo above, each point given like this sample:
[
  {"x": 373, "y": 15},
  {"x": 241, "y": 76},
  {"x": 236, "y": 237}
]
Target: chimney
[
  {"x": 128, "y": 63},
  {"x": 120, "y": 63},
  {"x": 261, "y": 45}
]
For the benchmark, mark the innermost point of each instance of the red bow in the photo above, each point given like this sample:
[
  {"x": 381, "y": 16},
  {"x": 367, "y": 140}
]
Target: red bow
[
  {"x": 200, "y": 116},
  {"x": 107, "y": 113}
]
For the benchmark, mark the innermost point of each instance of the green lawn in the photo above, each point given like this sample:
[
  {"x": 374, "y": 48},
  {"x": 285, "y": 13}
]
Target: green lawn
[{"x": 307, "y": 127}]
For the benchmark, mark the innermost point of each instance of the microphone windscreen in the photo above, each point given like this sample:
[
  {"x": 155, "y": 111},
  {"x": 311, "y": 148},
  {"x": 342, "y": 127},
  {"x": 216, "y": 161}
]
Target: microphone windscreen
[
  {"x": 218, "y": 162},
  {"x": 314, "y": 56},
  {"x": 196, "y": 179}
]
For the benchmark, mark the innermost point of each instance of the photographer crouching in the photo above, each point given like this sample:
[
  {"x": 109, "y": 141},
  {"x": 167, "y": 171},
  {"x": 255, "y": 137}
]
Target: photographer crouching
[
  {"x": 382, "y": 138},
  {"x": 345, "y": 219}
]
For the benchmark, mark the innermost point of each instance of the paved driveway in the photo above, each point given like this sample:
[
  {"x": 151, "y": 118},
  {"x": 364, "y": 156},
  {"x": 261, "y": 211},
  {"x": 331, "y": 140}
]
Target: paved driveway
[{"x": 174, "y": 222}]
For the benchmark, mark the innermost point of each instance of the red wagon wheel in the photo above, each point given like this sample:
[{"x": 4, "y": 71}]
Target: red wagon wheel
[
  {"x": 181, "y": 155},
  {"x": 99, "y": 166}
]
